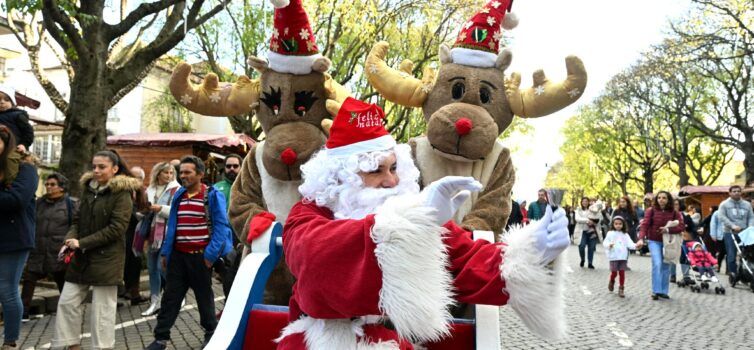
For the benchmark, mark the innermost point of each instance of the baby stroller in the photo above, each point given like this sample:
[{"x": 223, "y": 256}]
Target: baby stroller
[
  {"x": 696, "y": 274},
  {"x": 745, "y": 246}
]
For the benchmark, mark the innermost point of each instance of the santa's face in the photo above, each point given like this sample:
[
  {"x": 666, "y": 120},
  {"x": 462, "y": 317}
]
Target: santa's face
[{"x": 385, "y": 176}]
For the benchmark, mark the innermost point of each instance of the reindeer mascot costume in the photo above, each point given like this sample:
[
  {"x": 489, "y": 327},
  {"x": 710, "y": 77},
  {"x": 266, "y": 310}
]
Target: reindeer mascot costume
[
  {"x": 467, "y": 104},
  {"x": 290, "y": 100}
]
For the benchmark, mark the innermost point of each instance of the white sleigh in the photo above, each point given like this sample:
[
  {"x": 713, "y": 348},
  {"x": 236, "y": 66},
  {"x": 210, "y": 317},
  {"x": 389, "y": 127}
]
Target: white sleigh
[{"x": 246, "y": 323}]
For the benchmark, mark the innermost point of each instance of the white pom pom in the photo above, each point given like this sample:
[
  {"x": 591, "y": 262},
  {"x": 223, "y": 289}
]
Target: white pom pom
[
  {"x": 280, "y": 3},
  {"x": 510, "y": 21}
]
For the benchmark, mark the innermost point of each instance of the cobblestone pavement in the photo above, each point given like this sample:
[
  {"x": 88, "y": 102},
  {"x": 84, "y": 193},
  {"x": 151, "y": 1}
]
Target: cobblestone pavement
[{"x": 597, "y": 319}]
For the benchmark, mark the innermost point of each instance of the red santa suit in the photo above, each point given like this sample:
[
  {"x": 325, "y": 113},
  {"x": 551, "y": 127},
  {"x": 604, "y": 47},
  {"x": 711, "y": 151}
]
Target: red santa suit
[{"x": 352, "y": 276}]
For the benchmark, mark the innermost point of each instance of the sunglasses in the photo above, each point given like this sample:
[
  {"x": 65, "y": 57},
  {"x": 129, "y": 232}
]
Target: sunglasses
[{"x": 232, "y": 166}]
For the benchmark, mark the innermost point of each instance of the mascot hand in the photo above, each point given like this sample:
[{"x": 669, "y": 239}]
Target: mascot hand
[
  {"x": 551, "y": 234},
  {"x": 447, "y": 194},
  {"x": 259, "y": 223}
]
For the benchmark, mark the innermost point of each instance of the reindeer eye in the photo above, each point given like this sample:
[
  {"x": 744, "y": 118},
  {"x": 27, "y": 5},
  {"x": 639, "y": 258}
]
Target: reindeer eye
[
  {"x": 458, "y": 90},
  {"x": 304, "y": 101},
  {"x": 484, "y": 95},
  {"x": 272, "y": 99}
]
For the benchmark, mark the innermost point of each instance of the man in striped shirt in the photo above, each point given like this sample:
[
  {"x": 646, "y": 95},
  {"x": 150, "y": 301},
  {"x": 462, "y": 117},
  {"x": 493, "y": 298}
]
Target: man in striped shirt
[{"x": 198, "y": 234}]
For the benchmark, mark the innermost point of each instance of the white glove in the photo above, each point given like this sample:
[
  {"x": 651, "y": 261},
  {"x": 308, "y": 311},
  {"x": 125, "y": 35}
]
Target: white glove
[
  {"x": 447, "y": 194},
  {"x": 551, "y": 234}
]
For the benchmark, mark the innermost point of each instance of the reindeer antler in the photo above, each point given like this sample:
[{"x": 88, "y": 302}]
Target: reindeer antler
[
  {"x": 546, "y": 97},
  {"x": 213, "y": 98},
  {"x": 397, "y": 85}
]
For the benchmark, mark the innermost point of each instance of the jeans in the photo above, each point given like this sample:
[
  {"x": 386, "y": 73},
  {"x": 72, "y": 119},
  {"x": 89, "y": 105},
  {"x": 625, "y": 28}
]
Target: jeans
[
  {"x": 660, "y": 270},
  {"x": 730, "y": 252},
  {"x": 11, "y": 268},
  {"x": 156, "y": 275},
  {"x": 186, "y": 271},
  {"x": 590, "y": 243}
]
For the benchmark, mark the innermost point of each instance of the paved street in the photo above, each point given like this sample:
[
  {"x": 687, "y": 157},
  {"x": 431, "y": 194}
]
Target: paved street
[{"x": 597, "y": 319}]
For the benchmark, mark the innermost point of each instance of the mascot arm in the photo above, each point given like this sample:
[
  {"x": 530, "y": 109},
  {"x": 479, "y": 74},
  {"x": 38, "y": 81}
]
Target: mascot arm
[
  {"x": 246, "y": 197},
  {"x": 492, "y": 207}
]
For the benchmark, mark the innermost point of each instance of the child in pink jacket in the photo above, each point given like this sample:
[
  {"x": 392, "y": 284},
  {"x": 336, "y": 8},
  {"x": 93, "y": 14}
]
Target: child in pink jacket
[{"x": 703, "y": 261}]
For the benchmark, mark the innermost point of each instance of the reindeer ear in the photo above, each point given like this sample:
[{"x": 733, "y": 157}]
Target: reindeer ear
[
  {"x": 259, "y": 64},
  {"x": 445, "y": 57},
  {"x": 504, "y": 59},
  {"x": 321, "y": 64}
]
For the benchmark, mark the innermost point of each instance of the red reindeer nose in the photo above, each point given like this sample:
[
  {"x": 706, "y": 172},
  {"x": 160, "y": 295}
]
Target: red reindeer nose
[
  {"x": 288, "y": 156},
  {"x": 463, "y": 126}
]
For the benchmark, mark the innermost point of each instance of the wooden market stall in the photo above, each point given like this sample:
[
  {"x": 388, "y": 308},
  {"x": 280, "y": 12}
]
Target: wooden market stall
[
  {"x": 706, "y": 196},
  {"x": 146, "y": 150}
]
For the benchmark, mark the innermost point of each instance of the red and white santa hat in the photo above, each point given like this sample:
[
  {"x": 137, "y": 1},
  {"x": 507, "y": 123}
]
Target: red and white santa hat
[
  {"x": 293, "y": 48},
  {"x": 358, "y": 128},
  {"x": 478, "y": 42}
]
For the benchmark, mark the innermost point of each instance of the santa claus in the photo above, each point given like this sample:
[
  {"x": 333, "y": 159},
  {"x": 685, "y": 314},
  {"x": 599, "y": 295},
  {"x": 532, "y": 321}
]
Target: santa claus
[{"x": 378, "y": 262}]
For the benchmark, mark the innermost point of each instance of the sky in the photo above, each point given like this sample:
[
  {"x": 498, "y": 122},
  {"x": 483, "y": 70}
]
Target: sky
[{"x": 607, "y": 35}]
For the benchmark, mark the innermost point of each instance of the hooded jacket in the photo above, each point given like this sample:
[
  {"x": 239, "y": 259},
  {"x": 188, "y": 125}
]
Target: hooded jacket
[
  {"x": 17, "y": 120},
  {"x": 17, "y": 214},
  {"x": 104, "y": 214}
]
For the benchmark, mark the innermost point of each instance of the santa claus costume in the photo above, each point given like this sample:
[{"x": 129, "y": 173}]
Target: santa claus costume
[{"x": 375, "y": 270}]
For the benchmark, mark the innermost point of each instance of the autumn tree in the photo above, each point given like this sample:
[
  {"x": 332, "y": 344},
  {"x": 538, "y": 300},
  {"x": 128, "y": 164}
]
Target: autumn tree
[
  {"x": 104, "y": 60},
  {"x": 718, "y": 41}
]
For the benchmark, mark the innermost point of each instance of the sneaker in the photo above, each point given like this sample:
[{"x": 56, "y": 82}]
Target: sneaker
[
  {"x": 705, "y": 278},
  {"x": 157, "y": 345},
  {"x": 655, "y": 296},
  {"x": 591, "y": 266},
  {"x": 714, "y": 279},
  {"x": 9, "y": 347},
  {"x": 581, "y": 263},
  {"x": 25, "y": 317},
  {"x": 664, "y": 296},
  {"x": 611, "y": 285},
  {"x": 620, "y": 292}
]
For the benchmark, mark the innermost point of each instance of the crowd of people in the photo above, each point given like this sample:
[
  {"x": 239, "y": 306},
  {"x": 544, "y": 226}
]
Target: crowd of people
[{"x": 670, "y": 231}]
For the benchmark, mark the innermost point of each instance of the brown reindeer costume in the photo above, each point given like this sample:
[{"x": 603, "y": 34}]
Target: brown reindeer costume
[
  {"x": 467, "y": 104},
  {"x": 290, "y": 100}
]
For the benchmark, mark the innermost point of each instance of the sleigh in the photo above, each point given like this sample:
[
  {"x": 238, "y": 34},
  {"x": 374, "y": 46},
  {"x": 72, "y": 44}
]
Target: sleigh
[{"x": 249, "y": 324}]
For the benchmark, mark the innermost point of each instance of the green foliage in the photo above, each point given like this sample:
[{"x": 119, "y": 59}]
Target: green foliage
[{"x": 168, "y": 114}]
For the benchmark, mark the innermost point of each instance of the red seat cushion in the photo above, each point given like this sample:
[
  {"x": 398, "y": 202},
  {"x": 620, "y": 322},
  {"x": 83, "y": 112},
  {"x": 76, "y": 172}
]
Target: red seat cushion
[
  {"x": 461, "y": 338},
  {"x": 263, "y": 328}
]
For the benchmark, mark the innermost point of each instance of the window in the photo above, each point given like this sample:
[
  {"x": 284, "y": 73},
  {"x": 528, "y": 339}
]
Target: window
[
  {"x": 48, "y": 148},
  {"x": 112, "y": 115}
]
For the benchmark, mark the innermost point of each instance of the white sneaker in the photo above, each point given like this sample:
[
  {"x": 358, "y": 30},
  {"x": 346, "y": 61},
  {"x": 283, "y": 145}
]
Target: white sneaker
[
  {"x": 714, "y": 279},
  {"x": 705, "y": 278}
]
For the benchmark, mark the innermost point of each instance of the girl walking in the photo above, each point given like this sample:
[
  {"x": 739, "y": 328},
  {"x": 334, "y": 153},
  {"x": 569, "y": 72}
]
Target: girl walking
[{"x": 617, "y": 243}]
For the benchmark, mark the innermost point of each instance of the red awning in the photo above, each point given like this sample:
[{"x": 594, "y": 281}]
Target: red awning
[
  {"x": 24, "y": 101},
  {"x": 180, "y": 139}
]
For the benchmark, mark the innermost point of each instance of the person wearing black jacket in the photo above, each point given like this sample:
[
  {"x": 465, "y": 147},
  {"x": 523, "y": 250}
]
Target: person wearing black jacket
[
  {"x": 15, "y": 119},
  {"x": 516, "y": 217},
  {"x": 689, "y": 234}
]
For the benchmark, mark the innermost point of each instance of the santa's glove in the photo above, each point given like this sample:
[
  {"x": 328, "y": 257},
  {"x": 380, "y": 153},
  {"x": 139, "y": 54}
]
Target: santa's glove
[
  {"x": 447, "y": 194},
  {"x": 551, "y": 234},
  {"x": 259, "y": 223}
]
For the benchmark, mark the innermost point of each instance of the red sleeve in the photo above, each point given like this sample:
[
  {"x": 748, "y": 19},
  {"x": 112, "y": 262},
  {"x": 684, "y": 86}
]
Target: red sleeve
[
  {"x": 475, "y": 266},
  {"x": 711, "y": 258},
  {"x": 336, "y": 271},
  {"x": 644, "y": 224}
]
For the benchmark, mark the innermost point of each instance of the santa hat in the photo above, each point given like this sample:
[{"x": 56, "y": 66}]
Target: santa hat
[
  {"x": 293, "y": 48},
  {"x": 478, "y": 42},
  {"x": 358, "y": 128},
  {"x": 10, "y": 92}
]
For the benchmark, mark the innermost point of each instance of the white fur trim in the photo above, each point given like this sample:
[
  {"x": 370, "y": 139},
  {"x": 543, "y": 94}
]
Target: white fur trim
[
  {"x": 298, "y": 65},
  {"x": 534, "y": 291},
  {"x": 473, "y": 58},
  {"x": 416, "y": 285},
  {"x": 510, "y": 21},
  {"x": 339, "y": 334},
  {"x": 280, "y": 3},
  {"x": 381, "y": 143}
]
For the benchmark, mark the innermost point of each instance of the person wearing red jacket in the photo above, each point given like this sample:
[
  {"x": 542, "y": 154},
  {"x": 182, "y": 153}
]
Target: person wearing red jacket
[
  {"x": 702, "y": 261},
  {"x": 653, "y": 226},
  {"x": 377, "y": 262}
]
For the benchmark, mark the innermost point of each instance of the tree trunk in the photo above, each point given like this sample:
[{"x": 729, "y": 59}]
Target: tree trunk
[
  {"x": 683, "y": 174},
  {"x": 648, "y": 178},
  {"x": 748, "y": 150},
  {"x": 85, "y": 132}
]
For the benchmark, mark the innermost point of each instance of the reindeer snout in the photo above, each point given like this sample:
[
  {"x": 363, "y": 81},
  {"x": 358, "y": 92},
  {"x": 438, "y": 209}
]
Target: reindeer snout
[
  {"x": 288, "y": 156},
  {"x": 463, "y": 126}
]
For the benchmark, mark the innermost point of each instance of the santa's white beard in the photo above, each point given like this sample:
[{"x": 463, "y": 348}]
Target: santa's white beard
[{"x": 360, "y": 201}]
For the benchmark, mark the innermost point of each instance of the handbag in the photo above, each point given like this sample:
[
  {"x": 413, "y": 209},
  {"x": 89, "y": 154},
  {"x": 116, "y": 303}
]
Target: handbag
[
  {"x": 671, "y": 247},
  {"x": 141, "y": 234}
]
